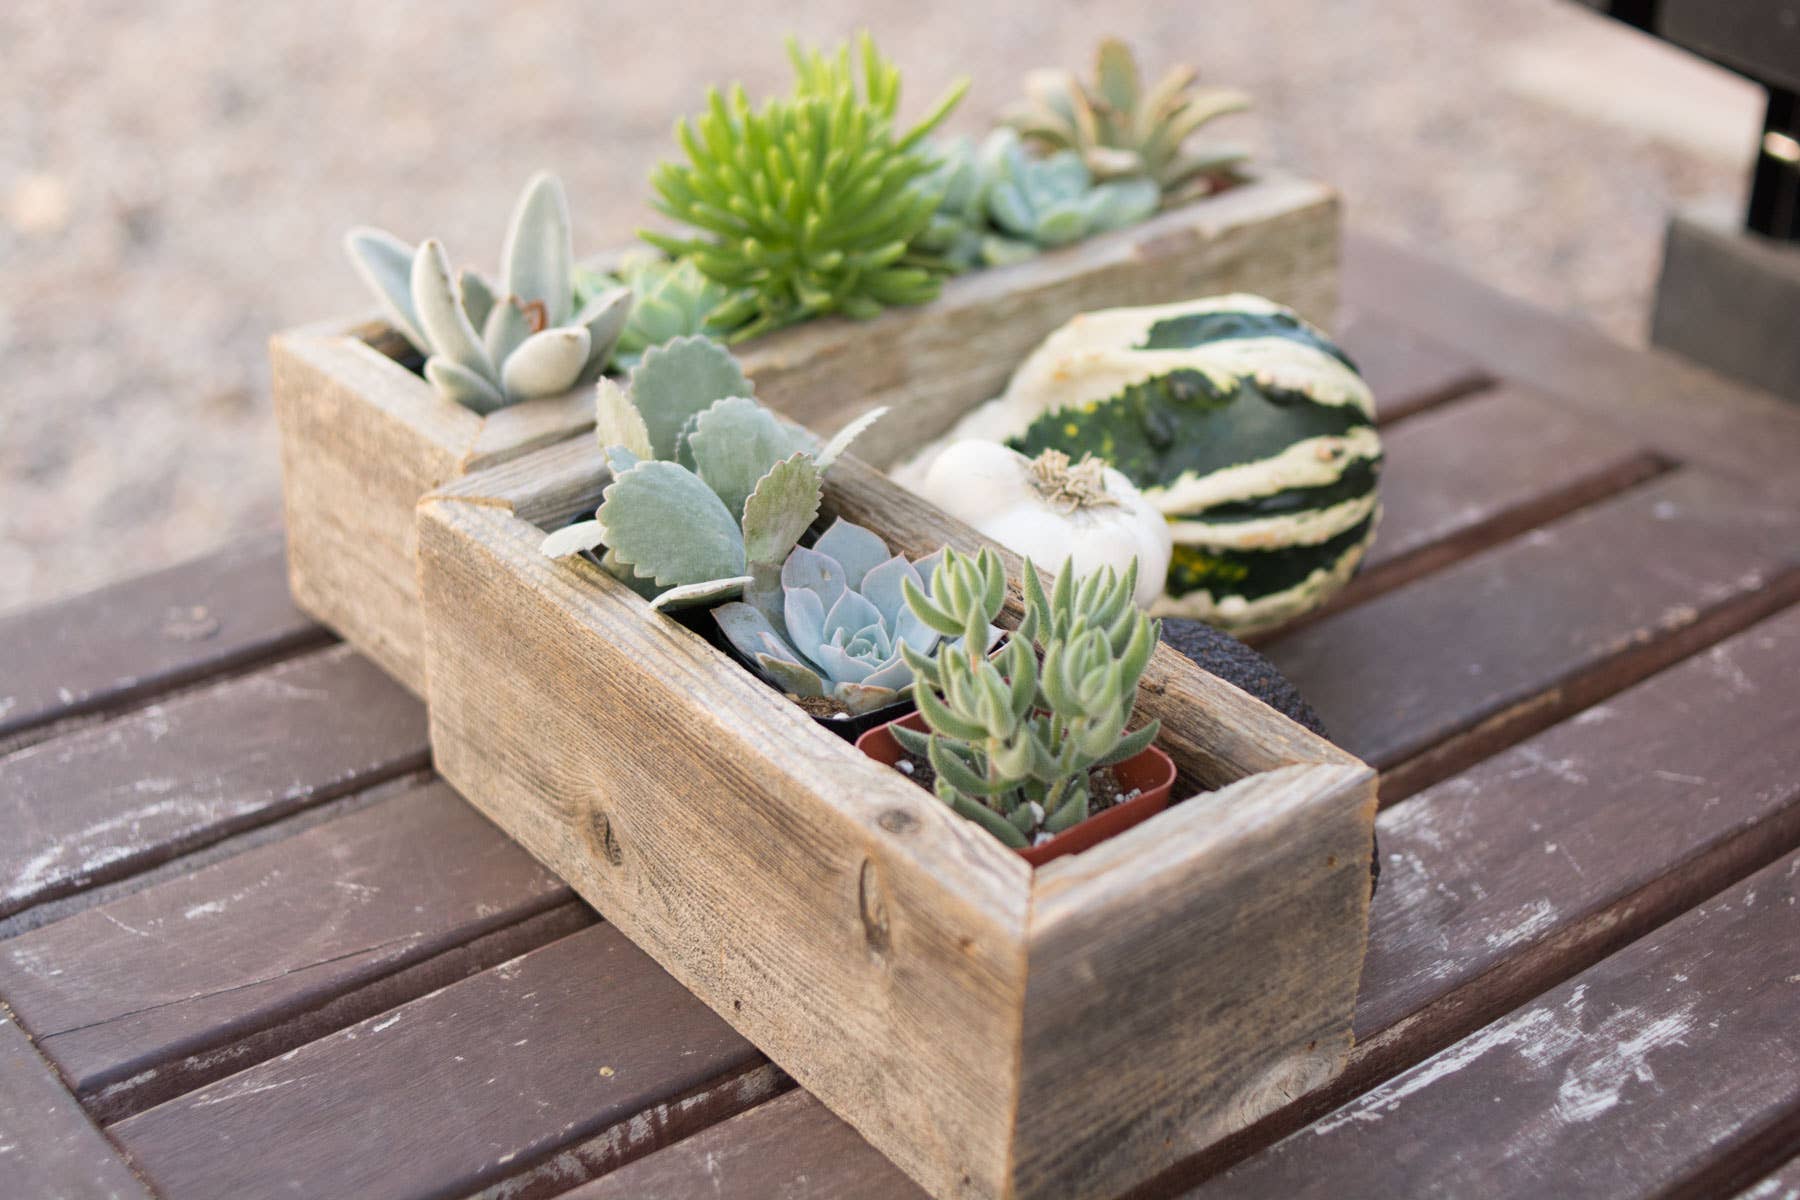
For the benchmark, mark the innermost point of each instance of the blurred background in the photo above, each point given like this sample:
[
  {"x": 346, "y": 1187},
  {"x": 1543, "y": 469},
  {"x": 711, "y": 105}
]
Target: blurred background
[{"x": 175, "y": 176}]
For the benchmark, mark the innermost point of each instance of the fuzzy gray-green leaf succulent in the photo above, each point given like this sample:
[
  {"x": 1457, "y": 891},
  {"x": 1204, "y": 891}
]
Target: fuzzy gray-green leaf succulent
[
  {"x": 710, "y": 490},
  {"x": 670, "y": 299},
  {"x": 1014, "y": 738},
  {"x": 487, "y": 348}
]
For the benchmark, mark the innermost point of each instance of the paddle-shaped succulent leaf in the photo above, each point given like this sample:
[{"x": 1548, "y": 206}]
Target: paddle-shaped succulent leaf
[
  {"x": 487, "y": 346},
  {"x": 710, "y": 490},
  {"x": 1122, "y": 129},
  {"x": 806, "y": 205},
  {"x": 1014, "y": 738},
  {"x": 836, "y": 633}
]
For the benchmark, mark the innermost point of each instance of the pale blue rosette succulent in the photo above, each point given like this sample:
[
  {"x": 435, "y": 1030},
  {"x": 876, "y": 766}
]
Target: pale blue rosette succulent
[{"x": 835, "y": 632}]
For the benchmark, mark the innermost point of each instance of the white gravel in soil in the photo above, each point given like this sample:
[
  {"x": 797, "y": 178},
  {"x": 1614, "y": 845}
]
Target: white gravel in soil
[{"x": 175, "y": 175}]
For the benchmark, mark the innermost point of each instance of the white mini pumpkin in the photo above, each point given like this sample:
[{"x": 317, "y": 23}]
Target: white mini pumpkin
[{"x": 1050, "y": 509}]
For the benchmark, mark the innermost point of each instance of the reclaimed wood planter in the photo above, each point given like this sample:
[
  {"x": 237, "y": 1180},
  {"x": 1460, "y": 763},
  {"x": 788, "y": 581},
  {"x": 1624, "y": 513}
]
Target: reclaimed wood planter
[
  {"x": 364, "y": 436},
  {"x": 997, "y": 1030}
]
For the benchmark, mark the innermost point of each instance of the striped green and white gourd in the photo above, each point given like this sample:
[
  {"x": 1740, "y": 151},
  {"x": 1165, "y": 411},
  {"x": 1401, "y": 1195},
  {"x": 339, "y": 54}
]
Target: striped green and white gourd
[{"x": 1244, "y": 425}]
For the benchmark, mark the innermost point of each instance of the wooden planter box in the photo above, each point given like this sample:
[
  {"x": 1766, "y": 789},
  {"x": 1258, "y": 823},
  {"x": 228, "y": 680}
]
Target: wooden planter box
[
  {"x": 364, "y": 437},
  {"x": 998, "y": 1031}
]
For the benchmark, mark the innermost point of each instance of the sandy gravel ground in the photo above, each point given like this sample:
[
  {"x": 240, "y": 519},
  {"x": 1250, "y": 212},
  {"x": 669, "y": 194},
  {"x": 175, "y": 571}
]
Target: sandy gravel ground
[{"x": 175, "y": 175}]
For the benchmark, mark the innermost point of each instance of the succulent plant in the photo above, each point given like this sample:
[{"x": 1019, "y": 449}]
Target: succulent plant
[
  {"x": 837, "y": 629},
  {"x": 710, "y": 490},
  {"x": 485, "y": 347},
  {"x": 1054, "y": 201},
  {"x": 1120, "y": 129},
  {"x": 1014, "y": 739},
  {"x": 961, "y": 233},
  {"x": 808, "y": 204},
  {"x": 670, "y": 299}
]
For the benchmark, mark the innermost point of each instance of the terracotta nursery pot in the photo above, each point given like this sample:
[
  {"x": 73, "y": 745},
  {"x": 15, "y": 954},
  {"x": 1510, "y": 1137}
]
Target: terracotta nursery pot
[{"x": 1151, "y": 773}]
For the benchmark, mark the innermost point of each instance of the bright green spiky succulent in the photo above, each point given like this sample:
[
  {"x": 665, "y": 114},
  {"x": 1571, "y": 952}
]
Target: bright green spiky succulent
[
  {"x": 806, "y": 205},
  {"x": 485, "y": 347},
  {"x": 1013, "y": 738},
  {"x": 670, "y": 299},
  {"x": 1054, "y": 201},
  {"x": 1120, "y": 129},
  {"x": 710, "y": 490}
]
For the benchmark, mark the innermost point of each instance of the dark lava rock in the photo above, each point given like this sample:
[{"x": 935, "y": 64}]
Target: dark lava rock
[{"x": 1242, "y": 667}]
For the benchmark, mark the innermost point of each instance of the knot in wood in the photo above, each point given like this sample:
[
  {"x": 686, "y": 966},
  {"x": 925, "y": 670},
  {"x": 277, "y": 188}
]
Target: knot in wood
[
  {"x": 871, "y": 902},
  {"x": 897, "y": 820},
  {"x": 600, "y": 830}
]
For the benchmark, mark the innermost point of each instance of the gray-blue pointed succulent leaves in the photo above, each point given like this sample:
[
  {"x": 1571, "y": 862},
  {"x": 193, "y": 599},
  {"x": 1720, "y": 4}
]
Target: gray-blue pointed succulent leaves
[
  {"x": 841, "y": 619},
  {"x": 487, "y": 345}
]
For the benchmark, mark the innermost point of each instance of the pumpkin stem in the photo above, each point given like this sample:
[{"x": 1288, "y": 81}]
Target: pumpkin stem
[{"x": 1068, "y": 488}]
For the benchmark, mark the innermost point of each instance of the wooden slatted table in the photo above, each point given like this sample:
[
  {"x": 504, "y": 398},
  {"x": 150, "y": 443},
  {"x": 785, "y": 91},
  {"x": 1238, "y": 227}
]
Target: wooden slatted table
[{"x": 250, "y": 947}]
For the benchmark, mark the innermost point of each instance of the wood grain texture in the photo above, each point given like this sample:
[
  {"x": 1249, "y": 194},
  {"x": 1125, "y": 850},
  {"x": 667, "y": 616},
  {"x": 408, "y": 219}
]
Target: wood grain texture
[
  {"x": 1472, "y": 474},
  {"x": 101, "y": 803},
  {"x": 1682, "y": 412},
  {"x": 790, "y": 1148},
  {"x": 464, "y": 1087},
  {"x": 1407, "y": 372},
  {"x": 134, "y": 639},
  {"x": 179, "y": 985},
  {"x": 1474, "y": 657},
  {"x": 48, "y": 1147},
  {"x": 1227, "y": 938},
  {"x": 1639, "y": 1077},
  {"x": 876, "y": 946},
  {"x": 1502, "y": 882}
]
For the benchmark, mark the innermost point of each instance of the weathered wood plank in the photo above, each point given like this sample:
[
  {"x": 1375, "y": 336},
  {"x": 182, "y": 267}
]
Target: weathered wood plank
[
  {"x": 101, "y": 803},
  {"x": 181, "y": 984},
  {"x": 1515, "y": 875},
  {"x": 145, "y": 635},
  {"x": 1782, "y": 1185},
  {"x": 790, "y": 1148},
  {"x": 1407, "y": 372},
  {"x": 1472, "y": 474},
  {"x": 1450, "y": 668},
  {"x": 48, "y": 1146},
  {"x": 1682, "y": 412},
  {"x": 1664, "y": 1064},
  {"x": 583, "y": 1053}
]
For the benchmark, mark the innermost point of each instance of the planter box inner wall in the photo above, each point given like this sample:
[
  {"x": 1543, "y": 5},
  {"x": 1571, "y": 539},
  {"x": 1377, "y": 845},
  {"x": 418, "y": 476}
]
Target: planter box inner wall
[
  {"x": 364, "y": 437},
  {"x": 996, "y": 1030}
]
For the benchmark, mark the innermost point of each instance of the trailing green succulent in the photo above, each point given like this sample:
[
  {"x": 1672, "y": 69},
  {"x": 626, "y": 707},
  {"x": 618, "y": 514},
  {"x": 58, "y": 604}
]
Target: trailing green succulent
[
  {"x": 807, "y": 205},
  {"x": 1014, "y": 738},
  {"x": 670, "y": 299},
  {"x": 710, "y": 490},
  {"x": 488, "y": 347},
  {"x": 840, "y": 623},
  {"x": 1122, "y": 130},
  {"x": 1054, "y": 201}
]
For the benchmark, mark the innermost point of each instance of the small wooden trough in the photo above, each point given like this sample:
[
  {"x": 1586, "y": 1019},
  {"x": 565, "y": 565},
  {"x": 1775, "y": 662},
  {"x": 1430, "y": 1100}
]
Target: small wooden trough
[
  {"x": 364, "y": 436},
  {"x": 996, "y": 1030}
]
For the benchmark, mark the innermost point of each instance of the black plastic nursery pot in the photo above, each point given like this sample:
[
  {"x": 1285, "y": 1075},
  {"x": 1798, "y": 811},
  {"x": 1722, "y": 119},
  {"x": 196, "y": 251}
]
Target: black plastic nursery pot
[{"x": 1150, "y": 773}]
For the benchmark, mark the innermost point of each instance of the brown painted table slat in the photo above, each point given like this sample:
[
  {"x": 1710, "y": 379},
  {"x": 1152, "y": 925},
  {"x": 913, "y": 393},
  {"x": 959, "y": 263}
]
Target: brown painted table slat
[{"x": 248, "y": 946}]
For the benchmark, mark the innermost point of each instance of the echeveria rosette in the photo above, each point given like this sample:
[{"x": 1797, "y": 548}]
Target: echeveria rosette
[
  {"x": 670, "y": 299},
  {"x": 485, "y": 347},
  {"x": 1054, "y": 201},
  {"x": 836, "y": 631}
]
